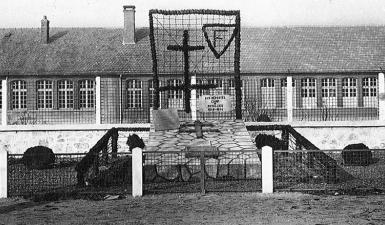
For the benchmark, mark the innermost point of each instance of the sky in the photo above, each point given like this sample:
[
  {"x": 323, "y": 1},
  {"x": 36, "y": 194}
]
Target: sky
[{"x": 263, "y": 13}]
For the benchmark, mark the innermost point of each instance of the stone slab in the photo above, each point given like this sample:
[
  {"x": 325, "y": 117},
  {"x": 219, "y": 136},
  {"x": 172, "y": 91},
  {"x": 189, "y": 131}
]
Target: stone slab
[{"x": 165, "y": 119}]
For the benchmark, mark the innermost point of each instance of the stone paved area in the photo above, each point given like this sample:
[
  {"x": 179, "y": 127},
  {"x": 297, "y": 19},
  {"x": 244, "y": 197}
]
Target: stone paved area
[
  {"x": 230, "y": 138},
  {"x": 225, "y": 135}
]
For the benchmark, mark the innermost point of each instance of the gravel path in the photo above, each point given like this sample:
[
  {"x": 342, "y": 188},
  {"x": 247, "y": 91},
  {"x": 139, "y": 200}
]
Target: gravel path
[{"x": 223, "y": 208}]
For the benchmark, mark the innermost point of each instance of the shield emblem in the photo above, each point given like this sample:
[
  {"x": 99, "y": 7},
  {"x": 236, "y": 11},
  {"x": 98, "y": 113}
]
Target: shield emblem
[{"x": 218, "y": 50}]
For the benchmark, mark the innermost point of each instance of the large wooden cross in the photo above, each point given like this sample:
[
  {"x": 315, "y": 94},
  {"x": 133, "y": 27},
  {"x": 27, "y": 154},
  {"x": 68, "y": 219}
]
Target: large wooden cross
[{"x": 186, "y": 86}]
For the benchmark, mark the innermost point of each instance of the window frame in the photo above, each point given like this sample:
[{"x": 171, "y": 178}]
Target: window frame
[
  {"x": 22, "y": 92},
  {"x": 135, "y": 90},
  {"x": 44, "y": 94},
  {"x": 69, "y": 92},
  {"x": 88, "y": 103}
]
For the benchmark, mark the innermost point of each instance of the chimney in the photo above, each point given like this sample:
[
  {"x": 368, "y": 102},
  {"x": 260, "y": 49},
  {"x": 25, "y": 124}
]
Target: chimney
[
  {"x": 129, "y": 24},
  {"x": 44, "y": 32}
]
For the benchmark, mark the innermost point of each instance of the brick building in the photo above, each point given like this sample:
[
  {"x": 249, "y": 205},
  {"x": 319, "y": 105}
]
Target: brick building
[{"x": 54, "y": 79}]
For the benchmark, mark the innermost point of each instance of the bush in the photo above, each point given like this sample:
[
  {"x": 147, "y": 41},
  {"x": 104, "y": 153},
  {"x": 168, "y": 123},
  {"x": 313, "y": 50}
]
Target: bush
[
  {"x": 357, "y": 154},
  {"x": 134, "y": 141},
  {"x": 38, "y": 157},
  {"x": 269, "y": 140}
]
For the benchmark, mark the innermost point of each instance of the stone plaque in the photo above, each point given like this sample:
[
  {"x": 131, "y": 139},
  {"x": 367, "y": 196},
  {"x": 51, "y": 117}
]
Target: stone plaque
[
  {"x": 165, "y": 119},
  {"x": 215, "y": 103}
]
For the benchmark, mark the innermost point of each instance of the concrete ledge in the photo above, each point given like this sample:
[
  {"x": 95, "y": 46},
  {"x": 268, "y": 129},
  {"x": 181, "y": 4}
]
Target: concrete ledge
[
  {"x": 69, "y": 127},
  {"x": 315, "y": 124},
  {"x": 80, "y": 127}
]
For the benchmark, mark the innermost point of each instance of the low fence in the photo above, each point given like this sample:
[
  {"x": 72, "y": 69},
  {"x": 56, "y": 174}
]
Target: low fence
[
  {"x": 202, "y": 171},
  {"x": 175, "y": 172},
  {"x": 110, "y": 173},
  {"x": 355, "y": 169}
]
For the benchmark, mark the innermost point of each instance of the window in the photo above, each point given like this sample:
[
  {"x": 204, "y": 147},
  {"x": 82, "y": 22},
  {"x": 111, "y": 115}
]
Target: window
[
  {"x": 19, "y": 94},
  {"x": 86, "y": 94},
  {"x": 219, "y": 89},
  {"x": 308, "y": 92},
  {"x": 233, "y": 94},
  {"x": 151, "y": 92},
  {"x": 201, "y": 92},
  {"x": 65, "y": 94},
  {"x": 369, "y": 86},
  {"x": 369, "y": 91},
  {"x": 175, "y": 97},
  {"x": 267, "y": 82},
  {"x": 349, "y": 92},
  {"x": 268, "y": 93},
  {"x": 44, "y": 94},
  {"x": 308, "y": 88},
  {"x": 134, "y": 94},
  {"x": 329, "y": 92},
  {"x": 284, "y": 91}
]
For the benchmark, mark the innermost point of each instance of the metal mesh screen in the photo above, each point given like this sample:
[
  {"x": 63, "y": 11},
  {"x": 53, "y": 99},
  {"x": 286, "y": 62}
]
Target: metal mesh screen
[
  {"x": 126, "y": 99},
  {"x": 51, "y": 101},
  {"x": 193, "y": 50},
  {"x": 335, "y": 98}
]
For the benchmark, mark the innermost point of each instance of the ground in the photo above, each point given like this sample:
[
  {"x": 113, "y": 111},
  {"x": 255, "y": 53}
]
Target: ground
[{"x": 212, "y": 208}]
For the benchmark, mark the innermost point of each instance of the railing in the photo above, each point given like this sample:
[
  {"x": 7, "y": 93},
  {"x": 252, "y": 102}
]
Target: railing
[
  {"x": 295, "y": 141},
  {"x": 102, "y": 154}
]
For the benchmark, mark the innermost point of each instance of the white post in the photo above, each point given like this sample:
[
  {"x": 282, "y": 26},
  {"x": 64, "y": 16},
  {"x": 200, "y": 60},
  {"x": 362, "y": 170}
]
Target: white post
[
  {"x": 3, "y": 173},
  {"x": 98, "y": 102},
  {"x": 4, "y": 99},
  {"x": 289, "y": 98},
  {"x": 267, "y": 169},
  {"x": 193, "y": 102},
  {"x": 381, "y": 94},
  {"x": 137, "y": 172}
]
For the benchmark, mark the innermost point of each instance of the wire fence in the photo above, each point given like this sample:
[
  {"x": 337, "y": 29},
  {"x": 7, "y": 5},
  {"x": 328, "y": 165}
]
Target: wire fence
[
  {"x": 109, "y": 174},
  {"x": 127, "y": 99},
  {"x": 25, "y": 181},
  {"x": 354, "y": 169},
  {"x": 181, "y": 172},
  {"x": 173, "y": 172}
]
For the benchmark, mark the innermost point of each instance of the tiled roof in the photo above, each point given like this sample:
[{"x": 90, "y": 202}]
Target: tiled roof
[{"x": 263, "y": 50}]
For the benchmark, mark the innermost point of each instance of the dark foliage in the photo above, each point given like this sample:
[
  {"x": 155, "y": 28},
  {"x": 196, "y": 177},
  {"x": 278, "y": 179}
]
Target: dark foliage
[
  {"x": 38, "y": 157},
  {"x": 357, "y": 154},
  {"x": 134, "y": 141},
  {"x": 269, "y": 140}
]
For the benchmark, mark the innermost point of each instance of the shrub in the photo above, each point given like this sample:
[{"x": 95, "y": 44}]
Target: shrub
[
  {"x": 269, "y": 140},
  {"x": 134, "y": 141},
  {"x": 38, "y": 157},
  {"x": 357, "y": 154}
]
